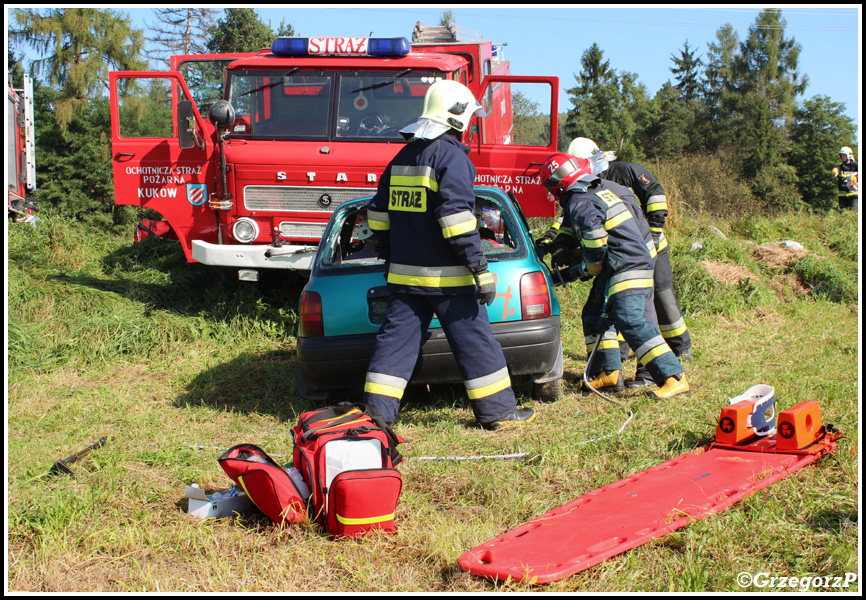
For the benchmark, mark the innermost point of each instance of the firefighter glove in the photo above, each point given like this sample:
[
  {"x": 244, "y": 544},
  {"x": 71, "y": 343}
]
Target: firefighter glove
[{"x": 485, "y": 287}]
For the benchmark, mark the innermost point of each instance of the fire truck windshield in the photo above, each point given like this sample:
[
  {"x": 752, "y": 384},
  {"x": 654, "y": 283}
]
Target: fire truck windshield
[{"x": 322, "y": 105}]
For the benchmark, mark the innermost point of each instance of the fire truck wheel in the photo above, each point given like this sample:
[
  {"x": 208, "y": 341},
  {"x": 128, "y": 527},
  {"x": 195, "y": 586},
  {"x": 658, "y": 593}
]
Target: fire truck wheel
[{"x": 229, "y": 276}]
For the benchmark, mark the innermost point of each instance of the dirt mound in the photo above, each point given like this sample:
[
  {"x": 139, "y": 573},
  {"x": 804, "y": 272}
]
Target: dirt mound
[
  {"x": 776, "y": 255},
  {"x": 779, "y": 254},
  {"x": 726, "y": 272}
]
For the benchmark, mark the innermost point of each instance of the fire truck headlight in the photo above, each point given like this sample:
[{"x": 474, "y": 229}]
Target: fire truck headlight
[{"x": 245, "y": 230}]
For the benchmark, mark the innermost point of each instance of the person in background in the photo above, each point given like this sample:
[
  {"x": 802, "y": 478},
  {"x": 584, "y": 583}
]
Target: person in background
[{"x": 847, "y": 176}]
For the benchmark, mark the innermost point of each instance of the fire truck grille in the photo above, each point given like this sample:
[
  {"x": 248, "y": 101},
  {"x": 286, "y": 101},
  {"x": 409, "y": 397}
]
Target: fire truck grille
[
  {"x": 292, "y": 229},
  {"x": 288, "y": 199}
]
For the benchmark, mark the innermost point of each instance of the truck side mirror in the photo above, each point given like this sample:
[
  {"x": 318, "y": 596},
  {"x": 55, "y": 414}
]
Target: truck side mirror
[{"x": 185, "y": 125}]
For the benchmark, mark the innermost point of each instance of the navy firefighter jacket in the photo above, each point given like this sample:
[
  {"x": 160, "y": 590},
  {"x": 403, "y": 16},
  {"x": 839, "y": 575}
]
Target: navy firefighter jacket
[
  {"x": 606, "y": 219},
  {"x": 648, "y": 190},
  {"x": 423, "y": 214}
]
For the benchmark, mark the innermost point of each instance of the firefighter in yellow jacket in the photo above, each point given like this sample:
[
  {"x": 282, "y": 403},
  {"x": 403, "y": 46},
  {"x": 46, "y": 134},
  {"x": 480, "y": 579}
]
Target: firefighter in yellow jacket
[
  {"x": 424, "y": 217},
  {"x": 847, "y": 183}
]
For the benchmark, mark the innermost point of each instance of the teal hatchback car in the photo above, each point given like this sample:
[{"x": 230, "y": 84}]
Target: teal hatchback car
[{"x": 345, "y": 302}]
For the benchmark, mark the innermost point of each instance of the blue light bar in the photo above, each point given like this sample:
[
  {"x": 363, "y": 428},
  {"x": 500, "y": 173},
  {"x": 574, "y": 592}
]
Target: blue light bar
[
  {"x": 289, "y": 46},
  {"x": 388, "y": 47},
  {"x": 341, "y": 46}
]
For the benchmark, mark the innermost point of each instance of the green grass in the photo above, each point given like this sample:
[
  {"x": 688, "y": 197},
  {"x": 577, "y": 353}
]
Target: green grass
[{"x": 135, "y": 344}]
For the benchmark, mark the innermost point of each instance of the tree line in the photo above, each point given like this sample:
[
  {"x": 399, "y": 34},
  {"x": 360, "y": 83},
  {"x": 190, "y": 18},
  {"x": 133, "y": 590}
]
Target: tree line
[{"x": 738, "y": 103}]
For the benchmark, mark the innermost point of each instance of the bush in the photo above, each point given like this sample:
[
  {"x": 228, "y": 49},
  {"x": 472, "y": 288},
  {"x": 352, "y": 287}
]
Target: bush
[{"x": 704, "y": 184}]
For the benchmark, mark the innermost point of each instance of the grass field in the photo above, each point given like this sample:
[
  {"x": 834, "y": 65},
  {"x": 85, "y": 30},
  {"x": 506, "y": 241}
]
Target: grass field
[{"x": 133, "y": 343}]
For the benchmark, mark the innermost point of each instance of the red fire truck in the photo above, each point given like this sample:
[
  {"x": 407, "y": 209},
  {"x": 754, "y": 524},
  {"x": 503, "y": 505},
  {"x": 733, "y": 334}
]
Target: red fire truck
[
  {"x": 248, "y": 171},
  {"x": 20, "y": 153}
]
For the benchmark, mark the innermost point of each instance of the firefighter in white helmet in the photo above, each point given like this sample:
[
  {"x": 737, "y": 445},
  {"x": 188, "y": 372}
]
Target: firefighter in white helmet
[
  {"x": 653, "y": 202},
  {"x": 424, "y": 217},
  {"x": 847, "y": 176}
]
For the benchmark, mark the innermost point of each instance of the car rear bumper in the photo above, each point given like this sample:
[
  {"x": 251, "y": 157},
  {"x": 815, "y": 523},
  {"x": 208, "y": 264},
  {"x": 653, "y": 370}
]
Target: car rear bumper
[{"x": 328, "y": 363}]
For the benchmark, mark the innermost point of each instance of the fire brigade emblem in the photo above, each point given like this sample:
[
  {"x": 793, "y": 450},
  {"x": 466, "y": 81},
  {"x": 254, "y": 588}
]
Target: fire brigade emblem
[{"x": 196, "y": 193}]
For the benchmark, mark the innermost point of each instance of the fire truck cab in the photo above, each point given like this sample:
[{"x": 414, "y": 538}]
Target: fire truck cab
[{"x": 248, "y": 172}]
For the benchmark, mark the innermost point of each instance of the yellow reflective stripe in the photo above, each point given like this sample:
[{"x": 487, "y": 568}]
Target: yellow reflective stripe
[
  {"x": 629, "y": 284},
  {"x": 657, "y": 202},
  {"x": 450, "y": 281},
  {"x": 485, "y": 278},
  {"x": 487, "y": 390},
  {"x": 459, "y": 229},
  {"x": 343, "y": 424},
  {"x": 383, "y": 390},
  {"x": 654, "y": 353},
  {"x": 366, "y": 521},
  {"x": 380, "y": 221},
  {"x": 594, "y": 243},
  {"x": 674, "y": 332},
  {"x": 608, "y": 345},
  {"x": 414, "y": 181},
  {"x": 617, "y": 220}
]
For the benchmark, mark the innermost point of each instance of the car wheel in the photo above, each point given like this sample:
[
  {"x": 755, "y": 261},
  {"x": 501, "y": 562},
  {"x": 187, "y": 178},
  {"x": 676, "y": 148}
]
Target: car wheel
[
  {"x": 320, "y": 397},
  {"x": 549, "y": 391}
]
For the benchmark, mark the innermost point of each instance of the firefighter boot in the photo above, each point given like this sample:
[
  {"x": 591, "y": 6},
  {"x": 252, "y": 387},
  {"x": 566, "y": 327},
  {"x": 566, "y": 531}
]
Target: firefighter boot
[
  {"x": 642, "y": 378},
  {"x": 676, "y": 385},
  {"x": 605, "y": 382},
  {"x": 517, "y": 416}
]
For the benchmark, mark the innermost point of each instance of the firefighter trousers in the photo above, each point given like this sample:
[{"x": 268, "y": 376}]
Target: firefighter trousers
[
  {"x": 627, "y": 314},
  {"x": 669, "y": 317},
  {"x": 672, "y": 325},
  {"x": 466, "y": 326}
]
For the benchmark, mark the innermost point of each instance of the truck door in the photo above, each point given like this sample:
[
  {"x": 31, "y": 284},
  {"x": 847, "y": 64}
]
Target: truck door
[
  {"x": 152, "y": 167},
  {"x": 515, "y": 138}
]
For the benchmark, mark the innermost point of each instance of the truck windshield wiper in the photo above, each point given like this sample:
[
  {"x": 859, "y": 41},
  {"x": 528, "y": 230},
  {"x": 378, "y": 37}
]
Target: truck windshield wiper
[
  {"x": 376, "y": 86},
  {"x": 270, "y": 85}
]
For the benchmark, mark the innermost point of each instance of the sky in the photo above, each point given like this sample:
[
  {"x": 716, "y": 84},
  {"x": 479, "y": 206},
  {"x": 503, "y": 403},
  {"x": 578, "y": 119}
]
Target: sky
[{"x": 550, "y": 39}]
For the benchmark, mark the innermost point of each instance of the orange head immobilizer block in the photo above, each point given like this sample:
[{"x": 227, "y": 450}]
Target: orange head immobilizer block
[
  {"x": 798, "y": 426},
  {"x": 734, "y": 423}
]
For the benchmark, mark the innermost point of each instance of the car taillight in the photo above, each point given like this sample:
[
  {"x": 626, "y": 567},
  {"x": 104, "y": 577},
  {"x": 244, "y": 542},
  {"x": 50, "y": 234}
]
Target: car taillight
[
  {"x": 312, "y": 324},
  {"x": 534, "y": 296}
]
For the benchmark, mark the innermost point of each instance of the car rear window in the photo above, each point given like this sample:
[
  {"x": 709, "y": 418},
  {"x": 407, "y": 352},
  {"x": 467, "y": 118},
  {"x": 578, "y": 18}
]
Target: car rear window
[{"x": 351, "y": 242}]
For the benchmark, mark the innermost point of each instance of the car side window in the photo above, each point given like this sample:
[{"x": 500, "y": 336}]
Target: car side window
[
  {"x": 354, "y": 243},
  {"x": 498, "y": 239}
]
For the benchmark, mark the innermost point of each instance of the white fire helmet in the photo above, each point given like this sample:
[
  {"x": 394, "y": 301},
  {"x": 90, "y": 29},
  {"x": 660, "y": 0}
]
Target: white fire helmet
[
  {"x": 447, "y": 105},
  {"x": 846, "y": 152}
]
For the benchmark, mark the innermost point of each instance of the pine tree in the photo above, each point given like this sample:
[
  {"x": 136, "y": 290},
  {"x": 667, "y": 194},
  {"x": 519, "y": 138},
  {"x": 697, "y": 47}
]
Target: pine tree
[
  {"x": 605, "y": 105},
  {"x": 80, "y": 45},
  {"x": 687, "y": 72},
  {"x": 180, "y": 31},
  {"x": 240, "y": 30},
  {"x": 820, "y": 127}
]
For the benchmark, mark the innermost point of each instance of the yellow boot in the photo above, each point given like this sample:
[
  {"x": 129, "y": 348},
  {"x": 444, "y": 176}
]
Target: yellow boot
[
  {"x": 605, "y": 382},
  {"x": 676, "y": 385}
]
